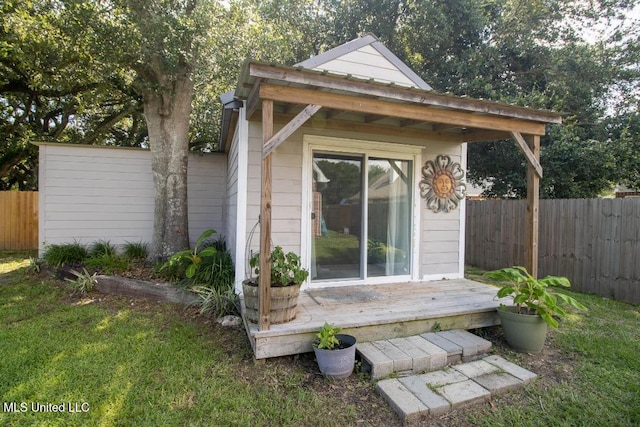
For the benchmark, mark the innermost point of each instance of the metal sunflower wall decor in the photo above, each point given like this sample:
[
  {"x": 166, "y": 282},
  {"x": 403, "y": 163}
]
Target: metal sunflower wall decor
[{"x": 441, "y": 185}]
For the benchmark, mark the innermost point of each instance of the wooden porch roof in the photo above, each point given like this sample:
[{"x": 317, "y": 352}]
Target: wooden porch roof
[
  {"x": 294, "y": 95},
  {"x": 347, "y": 98}
]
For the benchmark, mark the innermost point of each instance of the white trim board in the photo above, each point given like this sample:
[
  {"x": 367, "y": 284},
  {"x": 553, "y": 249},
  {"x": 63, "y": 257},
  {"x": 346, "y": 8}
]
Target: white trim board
[{"x": 241, "y": 203}]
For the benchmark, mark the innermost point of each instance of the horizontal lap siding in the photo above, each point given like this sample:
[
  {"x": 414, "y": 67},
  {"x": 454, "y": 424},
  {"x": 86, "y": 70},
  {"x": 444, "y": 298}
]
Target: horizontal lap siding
[
  {"x": 440, "y": 242},
  {"x": 367, "y": 62},
  {"x": 286, "y": 191},
  {"x": 93, "y": 193},
  {"x": 207, "y": 176},
  {"x": 254, "y": 187},
  {"x": 231, "y": 201}
]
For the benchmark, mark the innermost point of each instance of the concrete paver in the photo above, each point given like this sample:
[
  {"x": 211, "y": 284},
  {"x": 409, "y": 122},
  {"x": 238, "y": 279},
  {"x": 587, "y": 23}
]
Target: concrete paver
[
  {"x": 408, "y": 407},
  {"x": 499, "y": 382},
  {"x": 401, "y": 361},
  {"x": 434, "y": 393},
  {"x": 464, "y": 393},
  {"x": 511, "y": 368},
  {"x": 437, "y": 404},
  {"x": 380, "y": 364}
]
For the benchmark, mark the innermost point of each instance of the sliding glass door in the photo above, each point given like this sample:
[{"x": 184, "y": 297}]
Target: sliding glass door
[
  {"x": 336, "y": 251},
  {"x": 361, "y": 217},
  {"x": 388, "y": 217}
]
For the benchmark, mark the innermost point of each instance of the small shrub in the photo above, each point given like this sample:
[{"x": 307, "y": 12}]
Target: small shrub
[
  {"x": 107, "y": 263},
  {"x": 66, "y": 253},
  {"x": 326, "y": 337},
  {"x": 34, "y": 266},
  {"x": 83, "y": 283},
  {"x": 135, "y": 251},
  {"x": 215, "y": 271},
  {"x": 219, "y": 303},
  {"x": 190, "y": 259},
  {"x": 102, "y": 247}
]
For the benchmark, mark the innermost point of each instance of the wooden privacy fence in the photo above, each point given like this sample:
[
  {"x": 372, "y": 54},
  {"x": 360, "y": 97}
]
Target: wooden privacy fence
[
  {"x": 593, "y": 242},
  {"x": 18, "y": 220}
]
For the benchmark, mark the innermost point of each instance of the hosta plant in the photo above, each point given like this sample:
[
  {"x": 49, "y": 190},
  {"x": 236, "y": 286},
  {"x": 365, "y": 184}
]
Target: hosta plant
[{"x": 535, "y": 296}]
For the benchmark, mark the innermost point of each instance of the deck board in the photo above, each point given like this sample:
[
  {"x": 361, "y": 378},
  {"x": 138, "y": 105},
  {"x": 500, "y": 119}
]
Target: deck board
[{"x": 371, "y": 312}]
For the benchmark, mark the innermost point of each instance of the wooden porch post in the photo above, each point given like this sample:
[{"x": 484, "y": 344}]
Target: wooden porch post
[
  {"x": 264, "y": 322},
  {"x": 533, "y": 207}
]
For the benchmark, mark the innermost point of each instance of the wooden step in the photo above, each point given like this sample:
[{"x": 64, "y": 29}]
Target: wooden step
[{"x": 420, "y": 353}]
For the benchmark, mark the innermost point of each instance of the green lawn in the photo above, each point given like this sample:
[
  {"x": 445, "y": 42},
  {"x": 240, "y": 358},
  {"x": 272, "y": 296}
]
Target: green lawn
[
  {"x": 134, "y": 362},
  {"x": 141, "y": 363},
  {"x": 589, "y": 371}
]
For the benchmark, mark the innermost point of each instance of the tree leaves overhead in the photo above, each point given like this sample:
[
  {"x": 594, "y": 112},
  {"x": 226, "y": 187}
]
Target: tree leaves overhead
[{"x": 70, "y": 71}]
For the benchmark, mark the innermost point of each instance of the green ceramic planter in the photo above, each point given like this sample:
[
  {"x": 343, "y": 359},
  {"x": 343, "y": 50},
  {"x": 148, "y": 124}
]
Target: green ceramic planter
[{"x": 525, "y": 333}]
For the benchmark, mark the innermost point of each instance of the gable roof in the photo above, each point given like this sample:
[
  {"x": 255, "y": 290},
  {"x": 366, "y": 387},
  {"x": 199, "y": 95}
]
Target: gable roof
[
  {"x": 366, "y": 58},
  {"x": 346, "y": 98}
]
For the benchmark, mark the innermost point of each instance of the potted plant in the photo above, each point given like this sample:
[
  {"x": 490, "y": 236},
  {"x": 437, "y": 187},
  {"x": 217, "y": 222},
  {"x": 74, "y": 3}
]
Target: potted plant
[
  {"x": 536, "y": 305},
  {"x": 287, "y": 275},
  {"x": 335, "y": 352}
]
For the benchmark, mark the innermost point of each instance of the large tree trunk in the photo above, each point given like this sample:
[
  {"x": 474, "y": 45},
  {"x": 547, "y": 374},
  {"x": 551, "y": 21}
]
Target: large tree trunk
[{"x": 167, "y": 113}]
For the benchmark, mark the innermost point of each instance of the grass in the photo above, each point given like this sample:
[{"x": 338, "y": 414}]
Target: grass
[
  {"x": 140, "y": 363},
  {"x": 589, "y": 371}
]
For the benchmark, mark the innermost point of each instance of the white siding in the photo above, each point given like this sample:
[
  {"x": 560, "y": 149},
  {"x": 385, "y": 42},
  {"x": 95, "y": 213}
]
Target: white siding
[
  {"x": 254, "y": 187},
  {"x": 90, "y": 193},
  {"x": 207, "y": 175},
  {"x": 231, "y": 201},
  {"x": 441, "y": 232},
  {"x": 367, "y": 63},
  {"x": 286, "y": 191}
]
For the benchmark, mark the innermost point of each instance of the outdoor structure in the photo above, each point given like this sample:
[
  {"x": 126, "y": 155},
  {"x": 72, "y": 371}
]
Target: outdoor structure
[
  {"x": 352, "y": 161},
  {"x": 393, "y": 211}
]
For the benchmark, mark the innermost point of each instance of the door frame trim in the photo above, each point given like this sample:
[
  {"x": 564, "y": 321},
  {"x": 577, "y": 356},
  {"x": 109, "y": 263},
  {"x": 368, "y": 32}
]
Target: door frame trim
[{"x": 398, "y": 151}]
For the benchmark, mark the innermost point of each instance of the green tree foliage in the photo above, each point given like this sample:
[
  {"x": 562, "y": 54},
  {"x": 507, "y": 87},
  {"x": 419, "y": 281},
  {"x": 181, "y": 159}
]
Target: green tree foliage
[
  {"x": 528, "y": 52},
  {"x": 52, "y": 90},
  {"x": 80, "y": 72}
]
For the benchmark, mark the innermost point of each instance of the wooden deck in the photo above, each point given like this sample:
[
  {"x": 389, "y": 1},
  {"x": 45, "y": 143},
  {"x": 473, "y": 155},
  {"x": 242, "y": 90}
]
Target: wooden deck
[{"x": 374, "y": 312}]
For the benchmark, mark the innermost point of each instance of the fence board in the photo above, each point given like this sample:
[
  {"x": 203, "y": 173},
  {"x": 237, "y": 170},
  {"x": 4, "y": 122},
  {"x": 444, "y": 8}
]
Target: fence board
[
  {"x": 594, "y": 242},
  {"x": 18, "y": 220}
]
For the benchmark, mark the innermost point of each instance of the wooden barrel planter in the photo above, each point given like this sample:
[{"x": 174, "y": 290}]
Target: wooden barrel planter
[{"x": 284, "y": 302}]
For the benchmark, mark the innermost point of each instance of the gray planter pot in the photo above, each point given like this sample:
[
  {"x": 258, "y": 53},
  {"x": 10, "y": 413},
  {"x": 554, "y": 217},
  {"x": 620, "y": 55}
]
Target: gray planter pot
[
  {"x": 338, "y": 363},
  {"x": 525, "y": 333}
]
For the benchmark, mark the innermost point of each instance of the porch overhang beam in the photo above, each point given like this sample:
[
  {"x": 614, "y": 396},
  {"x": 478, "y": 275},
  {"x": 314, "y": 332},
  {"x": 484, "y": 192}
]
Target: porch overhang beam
[
  {"x": 333, "y": 82},
  {"x": 396, "y": 109},
  {"x": 409, "y": 123},
  {"x": 441, "y": 127},
  {"x": 284, "y": 133},
  {"x": 331, "y": 123},
  {"x": 484, "y": 135}
]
